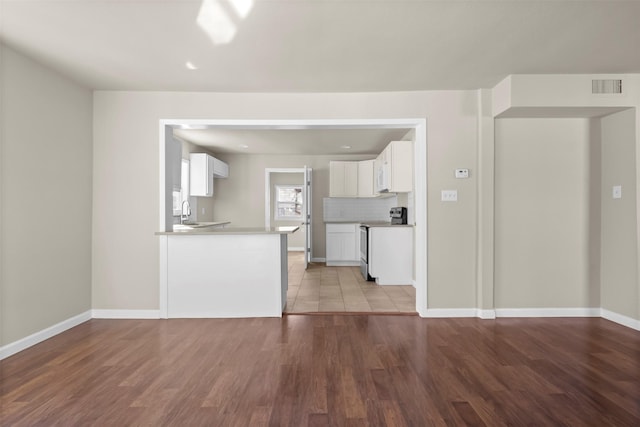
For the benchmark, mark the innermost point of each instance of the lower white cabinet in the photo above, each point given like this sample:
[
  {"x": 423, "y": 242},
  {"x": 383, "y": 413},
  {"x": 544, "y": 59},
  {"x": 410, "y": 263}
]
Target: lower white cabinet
[{"x": 343, "y": 244}]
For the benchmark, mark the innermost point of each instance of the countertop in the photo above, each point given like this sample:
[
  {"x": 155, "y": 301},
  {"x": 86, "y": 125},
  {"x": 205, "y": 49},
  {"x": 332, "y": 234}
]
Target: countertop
[
  {"x": 229, "y": 230},
  {"x": 370, "y": 223},
  {"x": 192, "y": 225},
  {"x": 373, "y": 224}
]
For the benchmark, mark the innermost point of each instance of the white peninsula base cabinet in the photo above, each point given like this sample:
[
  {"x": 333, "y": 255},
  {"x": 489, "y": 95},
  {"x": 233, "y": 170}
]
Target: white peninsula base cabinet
[
  {"x": 391, "y": 255},
  {"x": 225, "y": 272}
]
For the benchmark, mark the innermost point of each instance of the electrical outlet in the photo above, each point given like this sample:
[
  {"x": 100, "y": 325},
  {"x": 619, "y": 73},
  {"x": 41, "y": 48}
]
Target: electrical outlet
[
  {"x": 449, "y": 195},
  {"x": 462, "y": 173},
  {"x": 617, "y": 192}
]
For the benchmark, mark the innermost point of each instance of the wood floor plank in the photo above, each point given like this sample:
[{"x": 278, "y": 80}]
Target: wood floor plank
[{"x": 329, "y": 370}]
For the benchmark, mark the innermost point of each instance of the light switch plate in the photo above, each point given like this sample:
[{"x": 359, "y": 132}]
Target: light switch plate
[
  {"x": 462, "y": 173},
  {"x": 617, "y": 192},
  {"x": 449, "y": 195}
]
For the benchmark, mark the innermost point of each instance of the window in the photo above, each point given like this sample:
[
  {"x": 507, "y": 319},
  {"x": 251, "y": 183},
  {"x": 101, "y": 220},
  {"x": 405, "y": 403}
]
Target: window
[
  {"x": 180, "y": 196},
  {"x": 288, "y": 202}
]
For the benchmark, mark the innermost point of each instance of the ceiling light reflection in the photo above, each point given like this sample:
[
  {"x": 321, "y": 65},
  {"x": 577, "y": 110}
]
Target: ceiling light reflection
[
  {"x": 242, "y": 7},
  {"x": 215, "y": 21}
]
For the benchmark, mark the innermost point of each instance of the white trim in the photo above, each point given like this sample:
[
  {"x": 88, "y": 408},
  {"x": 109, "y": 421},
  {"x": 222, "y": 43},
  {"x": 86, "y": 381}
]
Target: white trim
[
  {"x": 163, "y": 304},
  {"x": 342, "y": 263},
  {"x": 620, "y": 319},
  {"x": 126, "y": 314},
  {"x": 486, "y": 314},
  {"x": 548, "y": 312},
  {"x": 450, "y": 312},
  {"x": 420, "y": 215},
  {"x": 267, "y": 190},
  {"x": 318, "y": 260},
  {"x": 163, "y": 165},
  {"x": 295, "y": 249},
  {"x": 36, "y": 338},
  {"x": 420, "y": 175}
]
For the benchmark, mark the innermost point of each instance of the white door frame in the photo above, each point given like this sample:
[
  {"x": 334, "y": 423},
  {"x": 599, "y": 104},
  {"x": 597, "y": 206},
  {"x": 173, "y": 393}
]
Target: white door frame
[
  {"x": 420, "y": 182},
  {"x": 307, "y": 206},
  {"x": 267, "y": 190}
]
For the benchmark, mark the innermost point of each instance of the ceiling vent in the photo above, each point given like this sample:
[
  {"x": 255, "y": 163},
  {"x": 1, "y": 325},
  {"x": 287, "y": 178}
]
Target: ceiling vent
[{"x": 606, "y": 86}]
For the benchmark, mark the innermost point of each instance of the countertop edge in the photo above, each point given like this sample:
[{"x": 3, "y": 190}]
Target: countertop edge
[
  {"x": 370, "y": 223},
  {"x": 227, "y": 230}
]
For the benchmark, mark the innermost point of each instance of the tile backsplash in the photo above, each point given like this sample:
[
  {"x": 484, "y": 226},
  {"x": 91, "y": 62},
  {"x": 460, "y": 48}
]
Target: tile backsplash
[{"x": 346, "y": 209}]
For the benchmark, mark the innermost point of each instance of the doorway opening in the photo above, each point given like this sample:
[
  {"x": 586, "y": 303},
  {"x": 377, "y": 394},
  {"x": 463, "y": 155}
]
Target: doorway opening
[
  {"x": 288, "y": 202},
  {"x": 418, "y": 126}
]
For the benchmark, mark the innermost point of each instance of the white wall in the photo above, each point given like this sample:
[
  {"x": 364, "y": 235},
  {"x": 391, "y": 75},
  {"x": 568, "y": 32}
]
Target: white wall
[
  {"x": 126, "y": 132},
  {"x": 614, "y": 235},
  {"x": 542, "y": 214},
  {"x": 619, "y": 279},
  {"x": 46, "y": 197},
  {"x": 240, "y": 198}
]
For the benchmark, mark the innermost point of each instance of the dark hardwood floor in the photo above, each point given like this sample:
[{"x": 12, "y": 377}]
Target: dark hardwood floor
[{"x": 328, "y": 370}]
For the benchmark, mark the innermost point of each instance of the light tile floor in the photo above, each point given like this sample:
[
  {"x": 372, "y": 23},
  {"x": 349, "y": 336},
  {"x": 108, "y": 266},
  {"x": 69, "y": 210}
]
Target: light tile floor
[{"x": 341, "y": 289}]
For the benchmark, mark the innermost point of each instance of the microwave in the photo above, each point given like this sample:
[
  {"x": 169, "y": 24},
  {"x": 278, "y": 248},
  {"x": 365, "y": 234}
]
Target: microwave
[{"x": 382, "y": 178}]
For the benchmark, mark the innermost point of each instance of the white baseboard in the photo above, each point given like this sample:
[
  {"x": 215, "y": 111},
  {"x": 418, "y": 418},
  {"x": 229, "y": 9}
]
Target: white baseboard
[
  {"x": 125, "y": 314},
  {"x": 548, "y": 312},
  {"x": 512, "y": 312},
  {"x": 318, "y": 260},
  {"x": 295, "y": 249},
  {"x": 343, "y": 263},
  {"x": 486, "y": 314},
  {"x": 451, "y": 312},
  {"x": 33, "y": 339},
  {"x": 623, "y": 320}
]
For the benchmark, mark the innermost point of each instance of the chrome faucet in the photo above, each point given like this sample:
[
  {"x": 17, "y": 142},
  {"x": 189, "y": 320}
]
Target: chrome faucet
[{"x": 185, "y": 214}]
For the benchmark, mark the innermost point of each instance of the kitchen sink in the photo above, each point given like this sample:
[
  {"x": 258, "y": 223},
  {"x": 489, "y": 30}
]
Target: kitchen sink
[
  {"x": 190, "y": 225},
  {"x": 196, "y": 224}
]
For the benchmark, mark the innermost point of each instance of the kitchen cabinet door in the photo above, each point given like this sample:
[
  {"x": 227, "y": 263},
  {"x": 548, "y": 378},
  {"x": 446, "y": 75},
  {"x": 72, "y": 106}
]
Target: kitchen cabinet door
[
  {"x": 343, "y": 179},
  {"x": 342, "y": 244},
  {"x": 201, "y": 174},
  {"x": 365, "y": 178},
  {"x": 400, "y": 159}
]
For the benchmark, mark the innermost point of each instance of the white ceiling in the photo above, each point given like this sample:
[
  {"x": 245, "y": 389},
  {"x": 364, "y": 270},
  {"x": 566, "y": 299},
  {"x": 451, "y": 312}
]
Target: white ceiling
[
  {"x": 319, "y": 46},
  {"x": 322, "y": 45},
  {"x": 292, "y": 141}
]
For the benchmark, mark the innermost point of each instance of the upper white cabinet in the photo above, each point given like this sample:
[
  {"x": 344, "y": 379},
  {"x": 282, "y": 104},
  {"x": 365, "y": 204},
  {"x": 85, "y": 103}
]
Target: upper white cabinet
[
  {"x": 390, "y": 172},
  {"x": 343, "y": 179},
  {"x": 202, "y": 172},
  {"x": 394, "y": 168},
  {"x": 366, "y": 179}
]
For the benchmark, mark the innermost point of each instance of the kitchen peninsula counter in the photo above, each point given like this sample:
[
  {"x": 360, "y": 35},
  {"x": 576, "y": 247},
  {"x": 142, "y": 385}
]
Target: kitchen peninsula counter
[
  {"x": 229, "y": 230},
  {"x": 216, "y": 272}
]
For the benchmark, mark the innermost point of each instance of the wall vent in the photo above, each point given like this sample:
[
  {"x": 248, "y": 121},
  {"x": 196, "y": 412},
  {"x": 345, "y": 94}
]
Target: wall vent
[{"x": 606, "y": 86}]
